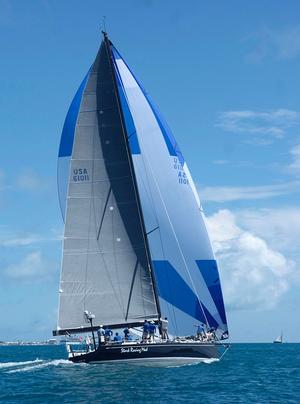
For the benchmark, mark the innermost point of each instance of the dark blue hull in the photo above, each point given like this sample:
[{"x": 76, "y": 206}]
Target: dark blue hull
[{"x": 185, "y": 352}]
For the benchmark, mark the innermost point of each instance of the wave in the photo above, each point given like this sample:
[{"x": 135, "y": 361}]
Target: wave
[
  {"x": 44, "y": 364},
  {"x": 197, "y": 362},
  {"x": 32, "y": 365},
  {"x": 4, "y": 365}
]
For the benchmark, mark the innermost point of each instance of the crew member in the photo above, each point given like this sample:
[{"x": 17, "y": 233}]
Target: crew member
[
  {"x": 107, "y": 334},
  {"x": 117, "y": 338},
  {"x": 126, "y": 333},
  {"x": 100, "y": 334},
  {"x": 146, "y": 331},
  {"x": 164, "y": 328},
  {"x": 211, "y": 335},
  {"x": 152, "y": 330},
  {"x": 88, "y": 343},
  {"x": 200, "y": 331}
]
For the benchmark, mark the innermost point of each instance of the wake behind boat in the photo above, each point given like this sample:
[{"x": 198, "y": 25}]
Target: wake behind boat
[{"x": 135, "y": 243}]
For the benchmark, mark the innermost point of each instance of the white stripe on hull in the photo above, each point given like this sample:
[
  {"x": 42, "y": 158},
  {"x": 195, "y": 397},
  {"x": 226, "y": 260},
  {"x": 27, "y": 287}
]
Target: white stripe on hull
[{"x": 162, "y": 361}]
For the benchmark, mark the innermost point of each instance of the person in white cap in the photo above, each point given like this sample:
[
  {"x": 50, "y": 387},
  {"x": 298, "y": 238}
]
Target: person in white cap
[{"x": 100, "y": 333}]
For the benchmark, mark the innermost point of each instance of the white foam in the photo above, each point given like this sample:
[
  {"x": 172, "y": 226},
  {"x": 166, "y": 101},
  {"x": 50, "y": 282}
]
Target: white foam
[
  {"x": 27, "y": 368},
  {"x": 211, "y": 360},
  {"x": 167, "y": 362},
  {"x": 207, "y": 361},
  {"x": 4, "y": 365},
  {"x": 32, "y": 366}
]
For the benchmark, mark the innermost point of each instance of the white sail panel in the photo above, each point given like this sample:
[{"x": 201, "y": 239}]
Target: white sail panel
[
  {"x": 185, "y": 268},
  {"x": 105, "y": 269}
]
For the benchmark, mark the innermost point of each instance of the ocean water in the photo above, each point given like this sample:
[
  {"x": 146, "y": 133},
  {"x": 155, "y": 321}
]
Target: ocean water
[{"x": 248, "y": 373}]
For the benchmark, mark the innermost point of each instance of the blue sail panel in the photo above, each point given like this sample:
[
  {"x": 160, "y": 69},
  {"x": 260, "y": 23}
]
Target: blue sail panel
[
  {"x": 171, "y": 286},
  {"x": 209, "y": 271},
  {"x": 130, "y": 128},
  {"x": 171, "y": 208},
  {"x": 66, "y": 146},
  {"x": 67, "y": 136},
  {"x": 171, "y": 143}
]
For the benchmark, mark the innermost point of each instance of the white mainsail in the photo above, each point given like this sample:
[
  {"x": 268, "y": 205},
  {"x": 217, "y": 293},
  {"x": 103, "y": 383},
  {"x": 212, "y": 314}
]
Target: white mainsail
[{"x": 105, "y": 266}]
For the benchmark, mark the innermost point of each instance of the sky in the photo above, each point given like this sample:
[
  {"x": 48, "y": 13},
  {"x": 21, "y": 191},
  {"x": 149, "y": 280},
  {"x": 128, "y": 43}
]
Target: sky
[{"x": 226, "y": 77}]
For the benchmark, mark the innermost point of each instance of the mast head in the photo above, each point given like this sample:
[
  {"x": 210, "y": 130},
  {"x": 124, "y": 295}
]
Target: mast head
[
  {"x": 105, "y": 37},
  {"x": 104, "y": 27}
]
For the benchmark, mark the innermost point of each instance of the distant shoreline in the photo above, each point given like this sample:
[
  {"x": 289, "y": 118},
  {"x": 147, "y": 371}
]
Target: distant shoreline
[{"x": 28, "y": 343}]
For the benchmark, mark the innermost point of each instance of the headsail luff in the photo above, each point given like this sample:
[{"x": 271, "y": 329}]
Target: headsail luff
[{"x": 105, "y": 268}]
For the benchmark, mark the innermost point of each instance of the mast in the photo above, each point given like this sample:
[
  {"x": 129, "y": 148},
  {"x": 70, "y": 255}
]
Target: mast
[{"x": 141, "y": 217}]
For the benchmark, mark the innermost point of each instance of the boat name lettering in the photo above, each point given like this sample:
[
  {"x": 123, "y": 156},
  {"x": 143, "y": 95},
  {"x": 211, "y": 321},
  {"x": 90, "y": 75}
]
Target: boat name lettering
[
  {"x": 182, "y": 178},
  {"x": 132, "y": 349},
  {"x": 80, "y": 174}
]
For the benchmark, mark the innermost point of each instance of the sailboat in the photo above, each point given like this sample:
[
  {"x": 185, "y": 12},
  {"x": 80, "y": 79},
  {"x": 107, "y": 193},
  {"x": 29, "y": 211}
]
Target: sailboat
[
  {"x": 135, "y": 244},
  {"x": 279, "y": 339}
]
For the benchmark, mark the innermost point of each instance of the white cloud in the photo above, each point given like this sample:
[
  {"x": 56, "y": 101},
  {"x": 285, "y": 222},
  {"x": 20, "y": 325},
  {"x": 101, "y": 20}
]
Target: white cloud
[
  {"x": 275, "y": 44},
  {"x": 29, "y": 180},
  {"x": 220, "y": 162},
  {"x": 280, "y": 226},
  {"x": 294, "y": 166},
  {"x": 254, "y": 275},
  {"x": 33, "y": 267},
  {"x": 18, "y": 239},
  {"x": 226, "y": 194},
  {"x": 263, "y": 126}
]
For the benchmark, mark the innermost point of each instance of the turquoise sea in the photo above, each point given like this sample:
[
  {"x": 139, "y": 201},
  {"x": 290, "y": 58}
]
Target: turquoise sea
[{"x": 248, "y": 373}]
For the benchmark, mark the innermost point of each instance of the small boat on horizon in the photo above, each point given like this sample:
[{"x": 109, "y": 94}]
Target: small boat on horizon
[
  {"x": 279, "y": 339},
  {"x": 135, "y": 245}
]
